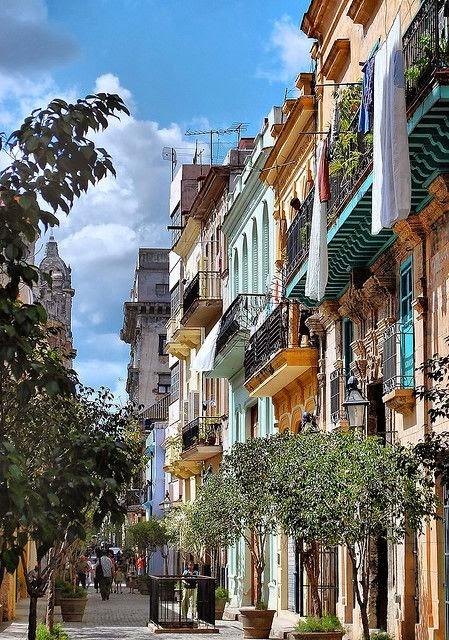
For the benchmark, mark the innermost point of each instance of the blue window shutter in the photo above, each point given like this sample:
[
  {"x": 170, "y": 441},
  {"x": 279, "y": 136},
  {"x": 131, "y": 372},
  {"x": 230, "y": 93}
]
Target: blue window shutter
[{"x": 406, "y": 323}]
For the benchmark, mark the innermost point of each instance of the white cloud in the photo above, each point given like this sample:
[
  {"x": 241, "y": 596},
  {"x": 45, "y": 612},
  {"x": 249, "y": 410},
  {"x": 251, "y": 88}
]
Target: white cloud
[{"x": 291, "y": 50}]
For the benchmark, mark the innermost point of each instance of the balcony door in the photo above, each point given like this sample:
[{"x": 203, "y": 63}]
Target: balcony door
[{"x": 406, "y": 323}]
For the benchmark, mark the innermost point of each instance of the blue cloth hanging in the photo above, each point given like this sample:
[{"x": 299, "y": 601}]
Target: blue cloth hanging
[{"x": 367, "y": 103}]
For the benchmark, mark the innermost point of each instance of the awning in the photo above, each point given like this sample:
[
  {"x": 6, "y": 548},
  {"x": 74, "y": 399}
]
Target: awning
[{"x": 204, "y": 359}]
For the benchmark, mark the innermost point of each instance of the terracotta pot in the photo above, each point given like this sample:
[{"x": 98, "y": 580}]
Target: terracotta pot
[
  {"x": 72, "y": 609},
  {"x": 256, "y": 622},
  {"x": 219, "y": 608},
  {"x": 315, "y": 635}
]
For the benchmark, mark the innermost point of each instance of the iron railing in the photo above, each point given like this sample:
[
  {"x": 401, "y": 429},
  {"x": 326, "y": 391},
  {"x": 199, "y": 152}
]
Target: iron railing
[
  {"x": 204, "y": 430},
  {"x": 242, "y": 314},
  {"x": 206, "y": 285},
  {"x": 177, "y": 602},
  {"x": 157, "y": 411},
  {"x": 398, "y": 358},
  {"x": 282, "y": 329},
  {"x": 425, "y": 46},
  {"x": 426, "y": 49}
]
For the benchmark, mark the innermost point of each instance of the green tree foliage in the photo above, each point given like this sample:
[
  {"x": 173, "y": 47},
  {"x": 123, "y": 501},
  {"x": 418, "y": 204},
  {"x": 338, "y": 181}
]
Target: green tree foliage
[
  {"x": 147, "y": 535},
  {"x": 72, "y": 457},
  {"x": 345, "y": 489},
  {"x": 237, "y": 502}
]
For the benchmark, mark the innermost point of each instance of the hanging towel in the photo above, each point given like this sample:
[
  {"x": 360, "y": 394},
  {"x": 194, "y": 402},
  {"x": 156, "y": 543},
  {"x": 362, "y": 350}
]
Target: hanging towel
[
  {"x": 367, "y": 104},
  {"x": 323, "y": 174},
  {"x": 204, "y": 359},
  {"x": 317, "y": 270},
  {"x": 391, "y": 158}
]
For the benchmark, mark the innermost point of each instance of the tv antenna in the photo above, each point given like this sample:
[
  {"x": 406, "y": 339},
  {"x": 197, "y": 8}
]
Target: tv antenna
[
  {"x": 169, "y": 153},
  {"x": 236, "y": 127}
]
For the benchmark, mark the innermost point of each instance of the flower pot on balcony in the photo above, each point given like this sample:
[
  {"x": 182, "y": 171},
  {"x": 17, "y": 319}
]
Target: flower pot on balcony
[
  {"x": 72, "y": 609},
  {"x": 256, "y": 622}
]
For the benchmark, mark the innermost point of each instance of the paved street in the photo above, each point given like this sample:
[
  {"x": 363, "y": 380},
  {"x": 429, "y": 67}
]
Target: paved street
[{"x": 123, "y": 616}]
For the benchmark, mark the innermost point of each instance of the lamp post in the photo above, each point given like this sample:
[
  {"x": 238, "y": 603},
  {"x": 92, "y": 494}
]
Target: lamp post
[
  {"x": 166, "y": 502},
  {"x": 355, "y": 405}
]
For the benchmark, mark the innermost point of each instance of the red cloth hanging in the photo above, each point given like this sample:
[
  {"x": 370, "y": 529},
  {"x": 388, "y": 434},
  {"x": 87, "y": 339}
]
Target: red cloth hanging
[{"x": 323, "y": 173}]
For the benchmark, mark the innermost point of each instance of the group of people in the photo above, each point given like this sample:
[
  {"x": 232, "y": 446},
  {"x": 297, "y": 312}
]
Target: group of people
[{"x": 108, "y": 572}]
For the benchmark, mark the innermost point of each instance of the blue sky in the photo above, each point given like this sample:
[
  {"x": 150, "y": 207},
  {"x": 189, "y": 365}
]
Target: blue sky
[{"x": 178, "y": 64}]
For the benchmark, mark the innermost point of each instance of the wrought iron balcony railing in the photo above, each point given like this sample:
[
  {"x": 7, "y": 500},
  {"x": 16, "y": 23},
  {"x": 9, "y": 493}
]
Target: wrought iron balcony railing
[
  {"x": 204, "y": 430},
  {"x": 426, "y": 46},
  {"x": 426, "y": 50},
  {"x": 242, "y": 314},
  {"x": 282, "y": 329},
  {"x": 398, "y": 358},
  {"x": 206, "y": 285}
]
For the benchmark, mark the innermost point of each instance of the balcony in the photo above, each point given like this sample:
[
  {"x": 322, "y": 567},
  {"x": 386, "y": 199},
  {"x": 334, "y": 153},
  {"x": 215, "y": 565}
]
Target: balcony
[
  {"x": 398, "y": 368},
  {"x": 157, "y": 412},
  {"x": 201, "y": 438},
  {"x": 181, "y": 339},
  {"x": 277, "y": 353},
  {"x": 350, "y": 243},
  {"x": 174, "y": 464},
  {"x": 202, "y": 302},
  {"x": 235, "y": 327}
]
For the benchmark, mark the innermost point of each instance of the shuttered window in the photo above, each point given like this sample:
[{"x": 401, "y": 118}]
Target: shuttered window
[
  {"x": 265, "y": 246},
  {"x": 245, "y": 265},
  {"x": 255, "y": 259}
]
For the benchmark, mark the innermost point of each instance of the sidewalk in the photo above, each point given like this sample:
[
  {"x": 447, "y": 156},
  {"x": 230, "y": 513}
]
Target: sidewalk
[{"x": 124, "y": 616}]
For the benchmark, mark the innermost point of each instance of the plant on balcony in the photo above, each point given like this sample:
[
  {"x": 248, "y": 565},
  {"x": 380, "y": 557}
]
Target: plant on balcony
[
  {"x": 344, "y": 489},
  {"x": 347, "y": 152}
]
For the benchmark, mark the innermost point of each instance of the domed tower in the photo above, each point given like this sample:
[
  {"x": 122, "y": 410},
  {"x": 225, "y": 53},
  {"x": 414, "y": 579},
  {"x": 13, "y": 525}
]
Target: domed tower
[{"x": 57, "y": 299}]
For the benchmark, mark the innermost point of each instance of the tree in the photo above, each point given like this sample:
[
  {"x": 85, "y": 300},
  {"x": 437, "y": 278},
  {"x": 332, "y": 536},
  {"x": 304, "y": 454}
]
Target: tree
[
  {"x": 350, "y": 492},
  {"x": 237, "y": 502},
  {"x": 75, "y": 455},
  {"x": 147, "y": 536}
]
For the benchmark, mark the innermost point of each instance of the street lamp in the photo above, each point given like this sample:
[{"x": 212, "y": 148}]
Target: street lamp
[
  {"x": 166, "y": 502},
  {"x": 355, "y": 405}
]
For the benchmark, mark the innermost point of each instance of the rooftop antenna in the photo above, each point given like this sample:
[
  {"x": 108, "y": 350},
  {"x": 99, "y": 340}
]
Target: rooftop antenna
[
  {"x": 234, "y": 128},
  {"x": 169, "y": 153}
]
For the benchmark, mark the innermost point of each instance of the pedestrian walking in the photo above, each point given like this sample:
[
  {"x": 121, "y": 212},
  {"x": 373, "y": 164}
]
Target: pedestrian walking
[
  {"x": 94, "y": 570},
  {"x": 82, "y": 569},
  {"x": 119, "y": 577},
  {"x": 131, "y": 575},
  {"x": 140, "y": 565},
  {"x": 104, "y": 573},
  {"x": 189, "y": 585}
]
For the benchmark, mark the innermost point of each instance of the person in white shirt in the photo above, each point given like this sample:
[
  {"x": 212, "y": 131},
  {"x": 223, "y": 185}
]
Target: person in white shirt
[{"x": 104, "y": 571}]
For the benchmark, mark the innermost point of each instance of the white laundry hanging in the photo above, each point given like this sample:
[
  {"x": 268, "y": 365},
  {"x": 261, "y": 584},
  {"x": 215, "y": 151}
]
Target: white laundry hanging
[
  {"x": 317, "y": 269},
  {"x": 391, "y": 158},
  {"x": 204, "y": 359}
]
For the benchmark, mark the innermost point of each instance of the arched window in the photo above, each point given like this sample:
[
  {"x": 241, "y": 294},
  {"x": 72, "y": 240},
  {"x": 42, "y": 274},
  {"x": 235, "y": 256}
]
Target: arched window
[
  {"x": 255, "y": 259},
  {"x": 235, "y": 267},
  {"x": 265, "y": 246},
  {"x": 245, "y": 265}
]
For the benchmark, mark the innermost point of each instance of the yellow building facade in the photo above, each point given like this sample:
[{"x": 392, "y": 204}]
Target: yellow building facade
[{"x": 385, "y": 307}]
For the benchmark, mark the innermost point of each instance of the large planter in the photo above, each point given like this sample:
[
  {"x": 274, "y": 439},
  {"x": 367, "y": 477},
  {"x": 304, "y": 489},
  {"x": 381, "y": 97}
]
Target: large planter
[
  {"x": 220, "y": 605},
  {"x": 57, "y": 597},
  {"x": 72, "y": 609},
  {"x": 256, "y": 622},
  {"x": 315, "y": 635}
]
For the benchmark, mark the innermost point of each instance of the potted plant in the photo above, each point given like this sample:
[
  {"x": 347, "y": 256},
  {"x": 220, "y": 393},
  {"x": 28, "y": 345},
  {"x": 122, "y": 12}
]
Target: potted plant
[
  {"x": 221, "y": 598},
  {"x": 143, "y": 585},
  {"x": 328, "y": 627},
  {"x": 73, "y": 602},
  {"x": 256, "y": 621}
]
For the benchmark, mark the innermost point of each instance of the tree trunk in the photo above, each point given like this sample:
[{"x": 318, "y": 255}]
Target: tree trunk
[
  {"x": 365, "y": 622},
  {"x": 311, "y": 559},
  {"x": 166, "y": 565},
  {"x": 259, "y": 578},
  {"x": 32, "y": 618},
  {"x": 50, "y": 614},
  {"x": 2, "y": 572}
]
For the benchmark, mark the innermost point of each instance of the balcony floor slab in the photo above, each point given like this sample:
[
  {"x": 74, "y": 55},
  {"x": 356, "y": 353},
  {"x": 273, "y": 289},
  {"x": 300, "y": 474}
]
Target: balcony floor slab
[{"x": 286, "y": 366}]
